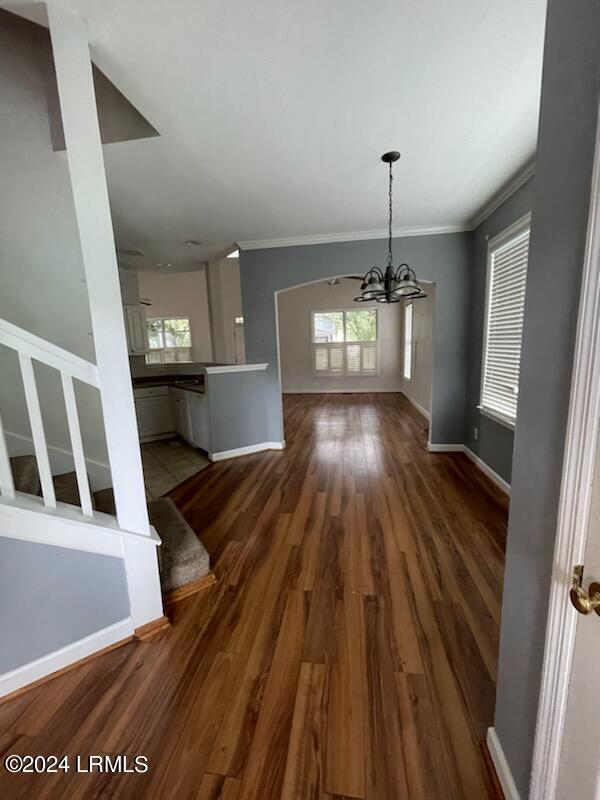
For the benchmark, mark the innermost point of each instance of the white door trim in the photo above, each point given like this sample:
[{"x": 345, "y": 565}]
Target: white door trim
[{"x": 573, "y": 513}]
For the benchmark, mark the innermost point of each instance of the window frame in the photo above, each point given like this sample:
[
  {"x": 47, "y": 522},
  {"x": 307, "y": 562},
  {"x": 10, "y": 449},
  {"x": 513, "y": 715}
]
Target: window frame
[
  {"x": 504, "y": 237},
  {"x": 345, "y": 374},
  {"x": 164, "y": 349},
  {"x": 410, "y": 342}
]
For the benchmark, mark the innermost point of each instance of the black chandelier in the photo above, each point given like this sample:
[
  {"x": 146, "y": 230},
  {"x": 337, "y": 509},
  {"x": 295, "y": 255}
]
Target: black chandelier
[{"x": 397, "y": 283}]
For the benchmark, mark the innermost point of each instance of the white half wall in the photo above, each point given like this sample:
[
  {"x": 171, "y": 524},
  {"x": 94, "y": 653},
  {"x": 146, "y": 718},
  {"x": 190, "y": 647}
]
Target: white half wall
[
  {"x": 180, "y": 294},
  {"x": 293, "y": 310}
]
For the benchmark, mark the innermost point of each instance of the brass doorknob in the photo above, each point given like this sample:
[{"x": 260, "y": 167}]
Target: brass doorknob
[{"x": 584, "y": 600}]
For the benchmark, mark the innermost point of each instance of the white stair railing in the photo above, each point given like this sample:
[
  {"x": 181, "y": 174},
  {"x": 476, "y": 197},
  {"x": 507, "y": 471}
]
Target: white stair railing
[{"x": 32, "y": 348}]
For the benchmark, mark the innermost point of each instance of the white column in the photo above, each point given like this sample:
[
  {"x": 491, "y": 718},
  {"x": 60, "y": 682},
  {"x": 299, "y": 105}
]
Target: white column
[{"x": 90, "y": 195}]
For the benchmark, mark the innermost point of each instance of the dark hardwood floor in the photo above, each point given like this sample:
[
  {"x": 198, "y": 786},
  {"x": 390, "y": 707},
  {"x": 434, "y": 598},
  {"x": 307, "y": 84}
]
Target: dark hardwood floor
[{"x": 348, "y": 649}]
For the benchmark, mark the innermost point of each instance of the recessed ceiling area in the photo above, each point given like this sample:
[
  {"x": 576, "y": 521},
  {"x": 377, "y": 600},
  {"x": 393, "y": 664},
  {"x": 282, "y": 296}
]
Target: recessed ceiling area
[{"x": 273, "y": 116}]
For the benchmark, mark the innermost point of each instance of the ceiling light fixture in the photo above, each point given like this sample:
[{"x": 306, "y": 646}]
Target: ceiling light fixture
[
  {"x": 396, "y": 283},
  {"x": 193, "y": 242},
  {"x": 163, "y": 264}
]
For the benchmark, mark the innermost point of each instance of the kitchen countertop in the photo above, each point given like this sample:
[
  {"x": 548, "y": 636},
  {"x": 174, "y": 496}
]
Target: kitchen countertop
[{"x": 177, "y": 381}]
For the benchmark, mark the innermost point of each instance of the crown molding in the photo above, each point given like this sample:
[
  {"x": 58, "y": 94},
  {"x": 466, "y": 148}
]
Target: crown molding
[
  {"x": 500, "y": 197},
  {"x": 425, "y": 230},
  {"x": 350, "y": 236}
]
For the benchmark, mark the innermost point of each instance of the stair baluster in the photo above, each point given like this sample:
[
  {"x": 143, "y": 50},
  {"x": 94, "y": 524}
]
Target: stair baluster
[
  {"x": 37, "y": 430},
  {"x": 83, "y": 485},
  {"x": 7, "y": 486}
]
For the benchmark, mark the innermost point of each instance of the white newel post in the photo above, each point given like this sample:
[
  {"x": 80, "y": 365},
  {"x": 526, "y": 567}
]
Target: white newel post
[{"x": 88, "y": 180}]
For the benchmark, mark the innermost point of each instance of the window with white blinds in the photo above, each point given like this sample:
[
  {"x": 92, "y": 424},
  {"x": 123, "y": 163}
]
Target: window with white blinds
[
  {"x": 344, "y": 343},
  {"x": 507, "y": 278},
  {"x": 169, "y": 340}
]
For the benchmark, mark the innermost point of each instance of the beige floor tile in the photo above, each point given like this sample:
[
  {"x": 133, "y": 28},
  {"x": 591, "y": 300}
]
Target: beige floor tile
[
  {"x": 153, "y": 469},
  {"x": 183, "y": 473},
  {"x": 165, "y": 465},
  {"x": 161, "y": 484}
]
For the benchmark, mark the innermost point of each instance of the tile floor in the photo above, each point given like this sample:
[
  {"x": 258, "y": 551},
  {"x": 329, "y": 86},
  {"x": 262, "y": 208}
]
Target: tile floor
[{"x": 169, "y": 462}]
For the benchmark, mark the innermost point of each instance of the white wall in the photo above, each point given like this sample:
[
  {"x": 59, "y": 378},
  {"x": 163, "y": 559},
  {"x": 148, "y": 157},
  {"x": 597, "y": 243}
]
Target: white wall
[
  {"x": 181, "y": 294},
  {"x": 418, "y": 388},
  {"x": 294, "y": 307},
  {"x": 225, "y": 304},
  {"x": 42, "y": 279},
  {"x": 130, "y": 292}
]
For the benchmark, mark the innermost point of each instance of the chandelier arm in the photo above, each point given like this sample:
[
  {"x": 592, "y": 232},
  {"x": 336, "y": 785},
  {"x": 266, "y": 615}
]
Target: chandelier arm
[{"x": 373, "y": 272}]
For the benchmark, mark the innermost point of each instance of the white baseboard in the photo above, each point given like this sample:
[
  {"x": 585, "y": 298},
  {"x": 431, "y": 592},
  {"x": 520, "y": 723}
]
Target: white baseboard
[
  {"x": 418, "y": 406},
  {"x": 501, "y": 766},
  {"x": 445, "y": 448},
  {"x": 485, "y": 468},
  {"x": 245, "y": 451},
  {"x": 28, "y": 673},
  {"x": 61, "y": 460}
]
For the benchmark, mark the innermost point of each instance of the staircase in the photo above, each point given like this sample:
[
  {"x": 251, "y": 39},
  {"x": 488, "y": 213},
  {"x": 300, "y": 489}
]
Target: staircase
[{"x": 182, "y": 558}]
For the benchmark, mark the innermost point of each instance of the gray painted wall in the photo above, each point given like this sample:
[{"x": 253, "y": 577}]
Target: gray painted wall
[
  {"x": 494, "y": 444},
  {"x": 445, "y": 259},
  {"x": 52, "y": 596},
  {"x": 237, "y": 408},
  {"x": 569, "y": 107}
]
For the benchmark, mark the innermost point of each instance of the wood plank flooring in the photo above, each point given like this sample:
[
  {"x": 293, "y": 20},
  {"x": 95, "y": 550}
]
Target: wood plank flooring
[{"x": 348, "y": 649}]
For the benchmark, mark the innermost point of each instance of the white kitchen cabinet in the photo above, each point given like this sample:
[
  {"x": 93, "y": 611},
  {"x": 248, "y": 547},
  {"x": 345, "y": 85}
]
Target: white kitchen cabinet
[
  {"x": 181, "y": 411},
  {"x": 135, "y": 327},
  {"x": 200, "y": 426},
  {"x": 154, "y": 411}
]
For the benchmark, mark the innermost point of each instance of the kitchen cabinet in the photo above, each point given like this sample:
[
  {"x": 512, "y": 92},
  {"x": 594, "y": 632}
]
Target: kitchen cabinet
[
  {"x": 200, "y": 426},
  {"x": 182, "y": 414},
  {"x": 135, "y": 328},
  {"x": 154, "y": 411}
]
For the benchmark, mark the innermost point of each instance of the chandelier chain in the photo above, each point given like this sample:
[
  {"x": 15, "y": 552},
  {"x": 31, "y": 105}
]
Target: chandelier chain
[{"x": 389, "y": 257}]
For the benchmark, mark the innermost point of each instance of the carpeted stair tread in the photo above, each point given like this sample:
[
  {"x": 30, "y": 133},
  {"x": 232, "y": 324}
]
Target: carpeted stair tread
[
  {"x": 25, "y": 474},
  {"x": 27, "y": 479},
  {"x": 182, "y": 557},
  {"x": 66, "y": 489},
  {"x": 104, "y": 500}
]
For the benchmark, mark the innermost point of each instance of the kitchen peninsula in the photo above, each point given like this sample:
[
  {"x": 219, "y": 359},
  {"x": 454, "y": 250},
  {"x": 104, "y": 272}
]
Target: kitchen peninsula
[{"x": 219, "y": 408}]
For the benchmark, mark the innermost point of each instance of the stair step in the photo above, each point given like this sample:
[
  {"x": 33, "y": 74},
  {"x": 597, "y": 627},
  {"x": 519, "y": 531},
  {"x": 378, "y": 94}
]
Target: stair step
[
  {"x": 25, "y": 474},
  {"x": 27, "y": 479},
  {"x": 66, "y": 489},
  {"x": 104, "y": 500},
  {"x": 182, "y": 557}
]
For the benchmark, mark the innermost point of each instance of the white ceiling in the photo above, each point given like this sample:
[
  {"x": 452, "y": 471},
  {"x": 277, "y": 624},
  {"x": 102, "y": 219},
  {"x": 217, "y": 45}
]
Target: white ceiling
[{"x": 273, "y": 114}]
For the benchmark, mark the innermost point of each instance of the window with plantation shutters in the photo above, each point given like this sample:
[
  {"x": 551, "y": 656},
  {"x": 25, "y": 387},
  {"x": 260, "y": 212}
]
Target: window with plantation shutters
[
  {"x": 344, "y": 343},
  {"x": 507, "y": 278}
]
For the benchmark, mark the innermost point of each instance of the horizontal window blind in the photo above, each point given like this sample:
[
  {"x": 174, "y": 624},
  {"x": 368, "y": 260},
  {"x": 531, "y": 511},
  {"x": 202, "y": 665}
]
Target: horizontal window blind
[
  {"x": 174, "y": 355},
  {"x": 504, "y": 325}
]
